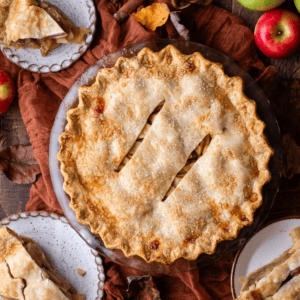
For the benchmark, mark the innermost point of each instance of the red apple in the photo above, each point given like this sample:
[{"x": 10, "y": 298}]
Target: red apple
[
  {"x": 7, "y": 91},
  {"x": 277, "y": 33}
]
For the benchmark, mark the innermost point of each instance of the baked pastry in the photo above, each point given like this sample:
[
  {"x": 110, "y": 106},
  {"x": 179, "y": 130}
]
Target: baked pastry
[
  {"x": 25, "y": 273},
  {"x": 133, "y": 163},
  {"x": 37, "y": 25},
  {"x": 278, "y": 280}
]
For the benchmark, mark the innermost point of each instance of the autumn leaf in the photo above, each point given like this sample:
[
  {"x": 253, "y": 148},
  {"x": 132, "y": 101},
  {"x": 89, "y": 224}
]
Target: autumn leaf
[
  {"x": 181, "y": 29},
  {"x": 153, "y": 16},
  {"x": 185, "y": 3},
  {"x": 18, "y": 164},
  {"x": 292, "y": 155},
  {"x": 142, "y": 287},
  {"x": 295, "y": 93},
  {"x": 285, "y": 100},
  {"x": 2, "y": 140}
]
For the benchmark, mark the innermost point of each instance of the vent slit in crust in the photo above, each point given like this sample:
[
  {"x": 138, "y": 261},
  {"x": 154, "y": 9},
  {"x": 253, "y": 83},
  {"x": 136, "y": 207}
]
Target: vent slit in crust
[
  {"x": 141, "y": 136},
  {"x": 194, "y": 156}
]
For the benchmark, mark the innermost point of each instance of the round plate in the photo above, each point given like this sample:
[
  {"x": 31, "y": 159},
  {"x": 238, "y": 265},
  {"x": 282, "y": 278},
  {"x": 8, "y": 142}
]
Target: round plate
[
  {"x": 81, "y": 13},
  {"x": 263, "y": 109},
  {"x": 267, "y": 244},
  {"x": 64, "y": 249}
]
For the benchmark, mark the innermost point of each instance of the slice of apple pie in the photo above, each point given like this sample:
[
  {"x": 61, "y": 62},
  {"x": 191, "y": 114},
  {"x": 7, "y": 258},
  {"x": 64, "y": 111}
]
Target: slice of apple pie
[
  {"x": 25, "y": 273},
  {"x": 36, "y": 25},
  {"x": 278, "y": 280}
]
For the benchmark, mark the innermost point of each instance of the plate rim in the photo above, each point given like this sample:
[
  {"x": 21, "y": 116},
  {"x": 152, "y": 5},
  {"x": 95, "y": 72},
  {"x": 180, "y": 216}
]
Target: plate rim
[
  {"x": 56, "y": 217},
  {"x": 233, "y": 268},
  {"x": 81, "y": 51}
]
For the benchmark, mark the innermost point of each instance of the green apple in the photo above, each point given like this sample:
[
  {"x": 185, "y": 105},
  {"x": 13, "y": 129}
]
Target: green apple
[
  {"x": 262, "y": 5},
  {"x": 297, "y": 4}
]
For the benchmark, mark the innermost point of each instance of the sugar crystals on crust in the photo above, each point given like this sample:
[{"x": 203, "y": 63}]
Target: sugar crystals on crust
[{"x": 164, "y": 157}]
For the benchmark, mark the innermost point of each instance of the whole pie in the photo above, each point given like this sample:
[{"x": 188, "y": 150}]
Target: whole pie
[
  {"x": 25, "y": 273},
  {"x": 164, "y": 156},
  {"x": 279, "y": 279},
  {"x": 37, "y": 25}
]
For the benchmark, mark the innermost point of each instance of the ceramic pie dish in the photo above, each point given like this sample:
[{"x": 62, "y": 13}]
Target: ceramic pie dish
[
  {"x": 64, "y": 249},
  {"x": 164, "y": 157},
  {"x": 183, "y": 48},
  {"x": 268, "y": 244},
  {"x": 80, "y": 12}
]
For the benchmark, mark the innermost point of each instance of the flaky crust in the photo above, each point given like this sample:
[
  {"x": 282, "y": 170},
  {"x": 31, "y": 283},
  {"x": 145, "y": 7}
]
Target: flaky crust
[
  {"x": 213, "y": 201},
  {"x": 22, "y": 278},
  {"x": 23, "y": 20},
  {"x": 268, "y": 282},
  {"x": 9, "y": 287}
]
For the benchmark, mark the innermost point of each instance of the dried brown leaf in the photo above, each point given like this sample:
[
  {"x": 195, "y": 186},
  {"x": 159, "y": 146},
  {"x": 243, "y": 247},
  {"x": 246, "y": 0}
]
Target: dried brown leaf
[
  {"x": 295, "y": 93},
  {"x": 202, "y": 2},
  {"x": 292, "y": 156},
  {"x": 185, "y": 3},
  {"x": 153, "y": 16},
  {"x": 285, "y": 101},
  {"x": 181, "y": 29},
  {"x": 142, "y": 288},
  {"x": 2, "y": 140},
  {"x": 18, "y": 164}
]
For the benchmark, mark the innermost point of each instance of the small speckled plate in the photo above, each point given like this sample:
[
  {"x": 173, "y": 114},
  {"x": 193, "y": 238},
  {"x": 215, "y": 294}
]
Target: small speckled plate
[
  {"x": 81, "y": 13},
  {"x": 64, "y": 248},
  {"x": 267, "y": 244}
]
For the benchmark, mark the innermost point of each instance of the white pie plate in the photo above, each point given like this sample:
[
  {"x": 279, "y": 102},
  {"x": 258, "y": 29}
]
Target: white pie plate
[
  {"x": 267, "y": 244},
  {"x": 64, "y": 248},
  {"x": 81, "y": 13}
]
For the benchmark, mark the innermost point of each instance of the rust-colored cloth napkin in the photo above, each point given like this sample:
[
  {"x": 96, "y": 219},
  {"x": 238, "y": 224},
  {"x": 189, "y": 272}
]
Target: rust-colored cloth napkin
[{"x": 40, "y": 96}]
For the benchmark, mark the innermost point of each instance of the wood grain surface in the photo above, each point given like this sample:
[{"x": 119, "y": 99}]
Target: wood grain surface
[{"x": 13, "y": 197}]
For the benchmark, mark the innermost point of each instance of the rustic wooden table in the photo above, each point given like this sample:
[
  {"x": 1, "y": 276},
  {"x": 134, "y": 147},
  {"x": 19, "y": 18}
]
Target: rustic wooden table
[{"x": 13, "y": 197}]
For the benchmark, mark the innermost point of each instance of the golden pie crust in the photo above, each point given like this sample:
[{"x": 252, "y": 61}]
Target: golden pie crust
[
  {"x": 205, "y": 145},
  {"x": 25, "y": 273}
]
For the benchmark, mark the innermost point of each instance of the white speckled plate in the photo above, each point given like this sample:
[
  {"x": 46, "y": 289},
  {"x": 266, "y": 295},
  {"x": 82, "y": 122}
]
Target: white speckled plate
[
  {"x": 64, "y": 248},
  {"x": 81, "y": 13},
  {"x": 267, "y": 244}
]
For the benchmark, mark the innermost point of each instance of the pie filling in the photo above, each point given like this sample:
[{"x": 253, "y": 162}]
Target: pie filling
[
  {"x": 164, "y": 157},
  {"x": 280, "y": 279},
  {"x": 44, "y": 271},
  {"x": 194, "y": 156},
  {"x": 71, "y": 34}
]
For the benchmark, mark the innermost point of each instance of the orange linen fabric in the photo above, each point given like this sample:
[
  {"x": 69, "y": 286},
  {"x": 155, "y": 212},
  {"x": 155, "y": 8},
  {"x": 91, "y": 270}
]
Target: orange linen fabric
[{"x": 40, "y": 95}]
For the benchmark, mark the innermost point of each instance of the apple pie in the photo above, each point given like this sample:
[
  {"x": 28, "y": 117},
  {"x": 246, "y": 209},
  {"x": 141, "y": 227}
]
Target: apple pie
[
  {"x": 25, "y": 273},
  {"x": 164, "y": 156},
  {"x": 278, "y": 280},
  {"x": 37, "y": 25}
]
